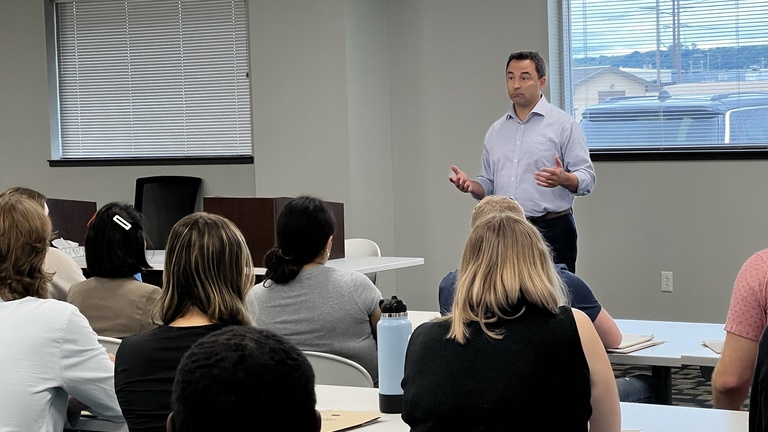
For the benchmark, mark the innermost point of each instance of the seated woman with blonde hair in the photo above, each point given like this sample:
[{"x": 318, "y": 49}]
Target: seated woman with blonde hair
[
  {"x": 512, "y": 355},
  {"x": 207, "y": 273}
]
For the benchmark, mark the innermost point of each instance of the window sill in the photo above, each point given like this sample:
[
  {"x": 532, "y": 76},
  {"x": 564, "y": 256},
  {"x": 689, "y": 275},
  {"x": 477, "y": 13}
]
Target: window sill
[
  {"x": 677, "y": 155},
  {"x": 212, "y": 160}
]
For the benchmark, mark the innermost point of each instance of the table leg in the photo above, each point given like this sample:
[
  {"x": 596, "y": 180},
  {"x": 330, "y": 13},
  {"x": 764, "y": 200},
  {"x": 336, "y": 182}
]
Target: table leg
[{"x": 664, "y": 375}]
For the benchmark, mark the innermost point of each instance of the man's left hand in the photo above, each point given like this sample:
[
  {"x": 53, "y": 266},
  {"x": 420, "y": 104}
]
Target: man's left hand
[
  {"x": 556, "y": 176},
  {"x": 551, "y": 177}
]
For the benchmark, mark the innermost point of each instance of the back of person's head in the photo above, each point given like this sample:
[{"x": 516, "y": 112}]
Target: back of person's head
[
  {"x": 303, "y": 228},
  {"x": 243, "y": 375},
  {"x": 115, "y": 242},
  {"x": 535, "y": 57},
  {"x": 34, "y": 195},
  {"x": 505, "y": 264},
  {"x": 24, "y": 234},
  {"x": 492, "y": 204},
  {"x": 207, "y": 266}
]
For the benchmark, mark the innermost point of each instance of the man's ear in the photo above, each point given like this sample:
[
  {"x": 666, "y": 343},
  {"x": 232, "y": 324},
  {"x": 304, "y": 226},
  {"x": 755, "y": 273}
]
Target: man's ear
[
  {"x": 319, "y": 421},
  {"x": 169, "y": 423}
]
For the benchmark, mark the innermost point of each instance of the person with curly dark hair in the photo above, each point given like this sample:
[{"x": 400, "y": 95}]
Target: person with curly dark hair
[{"x": 238, "y": 374}]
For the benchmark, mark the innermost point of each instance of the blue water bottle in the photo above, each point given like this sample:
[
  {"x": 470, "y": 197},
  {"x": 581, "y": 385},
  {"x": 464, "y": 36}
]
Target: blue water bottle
[{"x": 393, "y": 331}]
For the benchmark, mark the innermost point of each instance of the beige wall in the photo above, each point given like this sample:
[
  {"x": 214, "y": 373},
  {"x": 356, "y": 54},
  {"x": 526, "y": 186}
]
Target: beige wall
[
  {"x": 586, "y": 94},
  {"x": 24, "y": 126},
  {"x": 369, "y": 102}
]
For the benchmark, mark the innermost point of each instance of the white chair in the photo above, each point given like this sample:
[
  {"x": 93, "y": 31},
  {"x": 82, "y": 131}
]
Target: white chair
[
  {"x": 331, "y": 369},
  {"x": 362, "y": 247},
  {"x": 110, "y": 343}
]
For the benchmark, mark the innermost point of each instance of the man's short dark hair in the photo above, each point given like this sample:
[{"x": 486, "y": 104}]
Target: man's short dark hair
[
  {"x": 243, "y": 374},
  {"x": 115, "y": 242},
  {"x": 541, "y": 67}
]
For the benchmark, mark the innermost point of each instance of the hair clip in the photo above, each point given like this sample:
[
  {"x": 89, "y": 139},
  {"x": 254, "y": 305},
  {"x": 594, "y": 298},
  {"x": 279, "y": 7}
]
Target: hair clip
[{"x": 122, "y": 222}]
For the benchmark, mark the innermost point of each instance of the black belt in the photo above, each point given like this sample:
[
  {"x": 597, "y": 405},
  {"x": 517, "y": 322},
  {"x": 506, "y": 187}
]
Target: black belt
[{"x": 549, "y": 215}]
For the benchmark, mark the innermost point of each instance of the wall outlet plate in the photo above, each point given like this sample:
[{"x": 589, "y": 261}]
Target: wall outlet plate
[{"x": 666, "y": 281}]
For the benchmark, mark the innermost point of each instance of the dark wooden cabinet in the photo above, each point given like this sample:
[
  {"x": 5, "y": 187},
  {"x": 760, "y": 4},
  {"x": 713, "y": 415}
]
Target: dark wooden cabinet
[{"x": 257, "y": 219}]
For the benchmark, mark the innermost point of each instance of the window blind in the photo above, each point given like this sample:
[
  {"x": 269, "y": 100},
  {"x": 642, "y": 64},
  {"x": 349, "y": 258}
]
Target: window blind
[
  {"x": 684, "y": 68},
  {"x": 152, "y": 79}
]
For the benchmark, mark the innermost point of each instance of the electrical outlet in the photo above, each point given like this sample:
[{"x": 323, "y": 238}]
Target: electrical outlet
[{"x": 666, "y": 281}]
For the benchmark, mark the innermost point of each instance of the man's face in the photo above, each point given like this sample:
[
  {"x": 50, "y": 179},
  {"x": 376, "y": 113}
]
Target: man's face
[{"x": 523, "y": 83}]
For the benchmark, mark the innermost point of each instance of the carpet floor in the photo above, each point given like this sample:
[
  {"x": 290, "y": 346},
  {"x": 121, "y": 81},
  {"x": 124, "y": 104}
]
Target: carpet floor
[{"x": 689, "y": 385}]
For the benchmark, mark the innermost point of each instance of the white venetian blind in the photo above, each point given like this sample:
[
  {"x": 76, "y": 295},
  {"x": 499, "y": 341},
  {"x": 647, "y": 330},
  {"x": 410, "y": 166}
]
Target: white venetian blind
[{"x": 153, "y": 78}]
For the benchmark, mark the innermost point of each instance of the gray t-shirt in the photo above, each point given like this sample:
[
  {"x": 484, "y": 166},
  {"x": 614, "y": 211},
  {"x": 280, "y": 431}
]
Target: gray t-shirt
[{"x": 324, "y": 309}]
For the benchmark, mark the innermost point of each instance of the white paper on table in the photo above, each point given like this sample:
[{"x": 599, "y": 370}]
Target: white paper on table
[
  {"x": 60, "y": 243},
  {"x": 634, "y": 342},
  {"x": 714, "y": 345},
  {"x": 69, "y": 247}
]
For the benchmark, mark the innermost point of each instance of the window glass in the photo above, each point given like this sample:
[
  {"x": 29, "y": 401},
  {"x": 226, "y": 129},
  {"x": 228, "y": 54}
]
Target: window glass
[{"x": 667, "y": 74}]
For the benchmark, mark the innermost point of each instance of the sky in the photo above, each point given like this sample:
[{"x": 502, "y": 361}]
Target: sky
[{"x": 611, "y": 27}]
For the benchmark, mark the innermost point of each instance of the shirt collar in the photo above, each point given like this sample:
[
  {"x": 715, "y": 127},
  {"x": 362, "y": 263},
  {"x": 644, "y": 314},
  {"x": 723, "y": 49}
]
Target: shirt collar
[{"x": 541, "y": 108}]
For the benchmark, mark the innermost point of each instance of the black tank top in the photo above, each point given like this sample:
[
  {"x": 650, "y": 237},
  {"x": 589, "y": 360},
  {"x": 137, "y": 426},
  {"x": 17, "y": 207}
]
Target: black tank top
[{"x": 535, "y": 378}]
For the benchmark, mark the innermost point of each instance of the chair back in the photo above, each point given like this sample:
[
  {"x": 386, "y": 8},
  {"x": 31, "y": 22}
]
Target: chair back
[
  {"x": 331, "y": 369},
  {"x": 362, "y": 247},
  {"x": 110, "y": 343},
  {"x": 162, "y": 201}
]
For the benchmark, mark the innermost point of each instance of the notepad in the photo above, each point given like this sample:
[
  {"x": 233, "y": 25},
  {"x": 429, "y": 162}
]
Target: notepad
[
  {"x": 339, "y": 420},
  {"x": 633, "y": 342},
  {"x": 714, "y": 345}
]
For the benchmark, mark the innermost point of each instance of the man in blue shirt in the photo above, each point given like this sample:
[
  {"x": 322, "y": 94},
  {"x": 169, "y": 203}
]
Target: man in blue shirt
[{"x": 535, "y": 154}]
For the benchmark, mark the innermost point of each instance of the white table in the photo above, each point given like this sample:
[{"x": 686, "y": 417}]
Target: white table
[
  {"x": 649, "y": 418},
  {"x": 665, "y": 418},
  {"x": 420, "y": 317},
  {"x": 362, "y": 264},
  {"x": 155, "y": 258},
  {"x": 701, "y": 357},
  {"x": 645, "y": 417},
  {"x": 682, "y": 340}
]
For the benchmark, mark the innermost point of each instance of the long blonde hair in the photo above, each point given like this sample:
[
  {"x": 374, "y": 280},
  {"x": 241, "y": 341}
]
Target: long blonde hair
[
  {"x": 505, "y": 260},
  {"x": 208, "y": 266}
]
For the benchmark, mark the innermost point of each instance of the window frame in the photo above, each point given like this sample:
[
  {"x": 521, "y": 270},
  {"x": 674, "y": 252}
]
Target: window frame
[
  {"x": 56, "y": 159},
  {"x": 561, "y": 86}
]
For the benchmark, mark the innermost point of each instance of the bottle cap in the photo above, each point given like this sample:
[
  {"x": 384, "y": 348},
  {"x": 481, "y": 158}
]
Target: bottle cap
[{"x": 393, "y": 305}]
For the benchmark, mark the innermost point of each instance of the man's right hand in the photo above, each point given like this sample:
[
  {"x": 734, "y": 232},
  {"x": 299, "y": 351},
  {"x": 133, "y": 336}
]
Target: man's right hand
[{"x": 460, "y": 180}]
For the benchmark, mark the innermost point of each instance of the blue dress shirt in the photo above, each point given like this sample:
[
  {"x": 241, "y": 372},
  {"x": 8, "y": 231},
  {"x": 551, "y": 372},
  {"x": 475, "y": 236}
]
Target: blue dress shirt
[{"x": 514, "y": 150}]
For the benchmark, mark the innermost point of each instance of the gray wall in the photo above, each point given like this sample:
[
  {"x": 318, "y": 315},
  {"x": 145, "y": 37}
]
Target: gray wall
[{"x": 369, "y": 102}]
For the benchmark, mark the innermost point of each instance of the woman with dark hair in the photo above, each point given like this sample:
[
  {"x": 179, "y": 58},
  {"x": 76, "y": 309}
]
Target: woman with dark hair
[
  {"x": 316, "y": 307},
  {"x": 208, "y": 271},
  {"x": 49, "y": 352},
  {"x": 114, "y": 301}
]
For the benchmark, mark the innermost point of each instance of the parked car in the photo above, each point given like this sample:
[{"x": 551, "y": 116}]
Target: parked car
[{"x": 730, "y": 119}]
